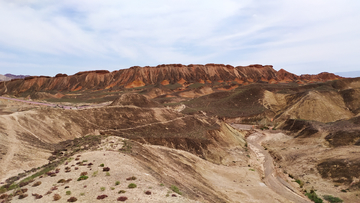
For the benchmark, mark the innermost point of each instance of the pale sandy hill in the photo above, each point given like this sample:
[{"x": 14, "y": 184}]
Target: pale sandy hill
[
  {"x": 196, "y": 92},
  {"x": 134, "y": 100},
  {"x": 319, "y": 106},
  {"x": 156, "y": 169}
]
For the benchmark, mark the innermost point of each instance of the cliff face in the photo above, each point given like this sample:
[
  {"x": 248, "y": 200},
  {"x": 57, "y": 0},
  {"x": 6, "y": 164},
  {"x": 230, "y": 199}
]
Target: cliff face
[{"x": 159, "y": 75}]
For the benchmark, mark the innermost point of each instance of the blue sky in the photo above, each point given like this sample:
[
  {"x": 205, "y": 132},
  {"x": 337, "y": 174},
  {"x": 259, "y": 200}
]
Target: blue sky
[{"x": 46, "y": 37}]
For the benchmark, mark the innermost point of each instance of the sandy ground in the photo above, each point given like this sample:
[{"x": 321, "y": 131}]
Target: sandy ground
[
  {"x": 122, "y": 166},
  {"x": 15, "y": 152},
  {"x": 231, "y": 182},
  {"x": 299, "y": 157},
  {"x": 234, "y": 183}
]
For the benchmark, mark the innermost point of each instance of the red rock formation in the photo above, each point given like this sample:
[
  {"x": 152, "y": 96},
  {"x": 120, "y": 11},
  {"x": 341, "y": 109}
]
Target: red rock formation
[
  {"x": 94, "y": 71},
  {"x": 60, "y": 75},
  {"x": 162, "y": 74},
  {"x": 324, "y": 76}
]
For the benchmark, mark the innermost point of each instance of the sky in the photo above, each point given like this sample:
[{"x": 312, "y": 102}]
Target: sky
[{"x": 46, "y": 37}]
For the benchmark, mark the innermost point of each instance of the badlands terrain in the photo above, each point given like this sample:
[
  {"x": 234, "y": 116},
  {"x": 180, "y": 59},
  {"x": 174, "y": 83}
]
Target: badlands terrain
[{"x": 175, "y": 133}]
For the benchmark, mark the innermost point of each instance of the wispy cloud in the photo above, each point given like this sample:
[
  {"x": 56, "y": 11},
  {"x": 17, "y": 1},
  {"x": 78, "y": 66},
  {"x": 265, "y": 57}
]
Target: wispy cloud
[{"x": 68, "y": 36}]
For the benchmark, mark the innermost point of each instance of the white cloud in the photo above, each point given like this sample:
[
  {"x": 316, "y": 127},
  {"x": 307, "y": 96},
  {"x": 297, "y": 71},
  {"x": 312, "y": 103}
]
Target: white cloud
[{"x": 296, "y": 35}]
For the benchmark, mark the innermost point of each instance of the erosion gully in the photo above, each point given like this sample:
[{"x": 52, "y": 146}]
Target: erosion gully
[{"x": 271, "y": 176}]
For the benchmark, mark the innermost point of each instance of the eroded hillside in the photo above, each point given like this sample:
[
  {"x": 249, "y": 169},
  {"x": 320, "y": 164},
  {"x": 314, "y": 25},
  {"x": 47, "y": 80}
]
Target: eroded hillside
[
  {"x": 171, "y": 76},
  {"x": 172, "y": 124}
]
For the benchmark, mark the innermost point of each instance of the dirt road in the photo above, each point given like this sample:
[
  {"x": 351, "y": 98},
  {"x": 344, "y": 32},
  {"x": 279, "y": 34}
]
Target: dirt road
[{"x": 271, "y": 176}]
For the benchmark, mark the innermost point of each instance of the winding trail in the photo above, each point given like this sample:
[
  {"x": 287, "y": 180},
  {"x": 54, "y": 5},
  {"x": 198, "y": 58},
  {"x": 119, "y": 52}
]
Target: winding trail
[
  {"x": 145, "y": 125},
  {"x": 271, "y": 177}
]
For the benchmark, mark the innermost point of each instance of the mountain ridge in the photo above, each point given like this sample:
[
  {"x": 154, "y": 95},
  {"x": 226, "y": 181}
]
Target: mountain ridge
[{"x": 160, "y": 75}]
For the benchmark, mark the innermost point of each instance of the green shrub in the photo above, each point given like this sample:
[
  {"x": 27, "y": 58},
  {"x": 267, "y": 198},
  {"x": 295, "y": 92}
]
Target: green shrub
[
  {"x": 72, "y": 199},
  {"x": 121, "y": 191},
  {"x": 107, "y": 174},
  {"x": 102, "y": 188},
  {"x": 68, "y": 192},
  {"x": 175, "y": 189},
  {"x": 61, "y": 181},
  {"x": 132, "y": 185},
  {"x": 300, "y": 183},
  {"x": 332, "y": 199},
  {"x": 95, "y": 173},
  {"x": 82, "y": 178},
  {"x": 102, "y": 165},
  {"x": 37, "y": 184},
  {"x": 131, "y": 178},
  {"x": 117, "y": 183},
  {"x": 22, "y": 196},
  {"x": 313, "y": 197}
]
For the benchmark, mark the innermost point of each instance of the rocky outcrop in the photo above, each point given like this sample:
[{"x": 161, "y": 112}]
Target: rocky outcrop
[{"x": 160, "y": 75}]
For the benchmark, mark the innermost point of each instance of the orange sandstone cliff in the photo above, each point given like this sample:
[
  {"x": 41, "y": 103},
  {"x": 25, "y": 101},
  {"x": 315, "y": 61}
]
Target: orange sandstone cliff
[{"x": 160, "y": 75}]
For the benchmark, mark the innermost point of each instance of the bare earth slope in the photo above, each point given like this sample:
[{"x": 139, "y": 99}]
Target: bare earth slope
[
  {"x": 27, "y": 137},
  {"x": 221, "y": 174}
]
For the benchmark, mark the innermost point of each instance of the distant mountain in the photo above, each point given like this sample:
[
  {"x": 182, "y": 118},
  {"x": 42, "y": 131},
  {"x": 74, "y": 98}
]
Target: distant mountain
[
  {"x": 11, "y": 76},
  {"x": 351, "y": 74},
  {"x": 4, "y": 78}
]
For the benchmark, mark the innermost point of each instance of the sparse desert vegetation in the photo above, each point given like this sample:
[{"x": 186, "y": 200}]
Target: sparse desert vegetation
[
  {"x": 101, "y": 197},
  {"x": 132, "y": 185},
  {"x": 131, "y": 178},
  {"x": 83, "y": 177},
  {"x": 187, "y": 131},
  {"x": 332, "y": 199},
  {"x": 122, "y": 198},
  {"x": 56, "y": 197},
  {"x": 313, "y": 197},
  {"x": 175, "y": 189},
  {"x": 95, "y": 173},
  {"x": 36, "y": 183},
  {"x": 72, "y": 199}
]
